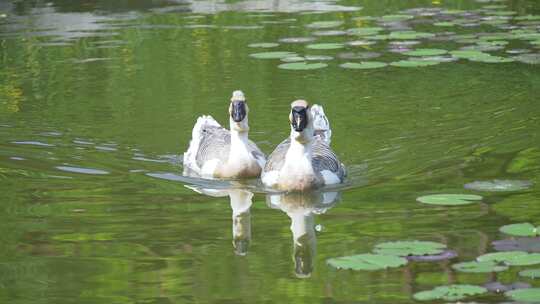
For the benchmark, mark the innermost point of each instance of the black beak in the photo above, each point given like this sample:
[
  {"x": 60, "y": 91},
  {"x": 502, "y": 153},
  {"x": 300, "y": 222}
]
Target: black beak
[
  {"x": 299, "y": 118},
  {"x": 238, "y": 112}
]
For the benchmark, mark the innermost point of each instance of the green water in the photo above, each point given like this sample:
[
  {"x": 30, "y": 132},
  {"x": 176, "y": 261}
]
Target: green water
[{"x": 112, "y": 89}]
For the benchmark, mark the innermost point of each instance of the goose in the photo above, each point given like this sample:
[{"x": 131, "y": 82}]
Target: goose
[
  {"x": 305, "y": 160},
  {"x": 215, "y": 152}
]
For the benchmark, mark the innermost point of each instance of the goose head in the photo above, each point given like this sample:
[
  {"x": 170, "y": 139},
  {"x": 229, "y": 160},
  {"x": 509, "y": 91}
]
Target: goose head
[
  {"x": 301, "y": 121},
  {"x": 238, "y": 112}
]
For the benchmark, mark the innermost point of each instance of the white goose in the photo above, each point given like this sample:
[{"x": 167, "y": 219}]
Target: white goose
[
  {"x": 215, "y": 152},
  {"x": 305, "y": 160}
]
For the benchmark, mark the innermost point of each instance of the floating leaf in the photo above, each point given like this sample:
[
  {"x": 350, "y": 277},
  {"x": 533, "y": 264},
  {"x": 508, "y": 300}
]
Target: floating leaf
[
  {"x": 82, "y": 170},
  {"x": 444, "y": 24},
  {"x": 325, "y": 46},
  {"x": 413, "y": 63},
  {"x": 524, "y": 295},
  {"x": 302, "y": 66},
  {"x": 449, "y": 199},
  {"x": 358, "y": 55},
  {"x": 479, "y": 267},
  {"x": 406, "y": 35},
  {"x": 324, "y": 24},
  {"x": 293, "y": 59},
  {"x": 406, "y": 248},
  {"x": 272, "y": 55},
  {"x": 450, "y": 292},
  {"x": 445, "y": 255},
  {"x": 492, "y": 59},
  {"x": 498, "y": 185},
  {"x": 426, "y": 52},
  {"x": 297, "y": 39},
  {"x": 395, "y": 18},
  {"x": 363, "y": 65},
  {"x": 528, "y": 244},
  {"x": 468, "y": 54},
  {"x": 530, "y": 273},
  {"x": 318, "y": 58},
  {"x": 521, "y": 229},
  {"x": 512, "y": 258},
  {"x": 329, "y": 33},
  {"x": 367, "y": 262},
  {"x": 499, "y": 287},
  {"x": 528, "y": 58},
  {"x": 364, "y": 31},
  {"x": 360, "y": 43},
  {"x": 263, "y": 45}
]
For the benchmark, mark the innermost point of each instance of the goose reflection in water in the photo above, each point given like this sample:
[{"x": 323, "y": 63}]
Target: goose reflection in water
[
  {"x": 241, "y": 201},
  {"x": 301, "y": 208}
]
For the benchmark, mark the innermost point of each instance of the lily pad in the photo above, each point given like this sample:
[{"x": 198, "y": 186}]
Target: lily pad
[
  {"x": 521, "y": 229},
  {"x": 263, "y": 45},
  {"x": 297, "y": 39},
  {"x": 498, "y": 185},
  {"x": 512, "y": 258},
  {"x": 325, "y": 46},
  {"x": 524, "y": 295},
  {"x": 450, "y": 292},
  {"x": 363, "y": 65},
  {"x": 413, "y": 63},
  {"x": 359, "y": 55},
  {"x": 361, "y": 43},
  {"x": 492, "y": 59},
  {"x": 367, "y": 262},
  {"x": 406, "y": 248},
  {"x": 468, "y": 54},
  {"x": 302, "y": 66},
  {"x": 444, "y": 24},
  {"x": 528, "y": 58},
  {"x": 445, "y": 255},
  {"x": 272, "y": 55},
  {"x": 364, "y": 31},
  {"x": 499, "y": 287},
  {"x": 530, "y": 273},
  {"x": 407, "y": 35},
  {"x": 426, "y": 52},
  {"x": 479, "y": 267},
  {"x": 395, "y": 18},
  {"x": 318, "y": 58},
  {"x": 449, "y": 199},
  {"x": 329, "y": 33},
  {"x": 324, "y": 24},
  {"x": 528, "y": 244},
  {"x": 293, "y": 59}
]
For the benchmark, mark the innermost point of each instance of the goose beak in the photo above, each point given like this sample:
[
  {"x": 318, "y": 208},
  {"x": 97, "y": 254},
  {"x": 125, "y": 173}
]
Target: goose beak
[
  {"x": 299, "y": 118},
  {"x": 238, "y": 111}
]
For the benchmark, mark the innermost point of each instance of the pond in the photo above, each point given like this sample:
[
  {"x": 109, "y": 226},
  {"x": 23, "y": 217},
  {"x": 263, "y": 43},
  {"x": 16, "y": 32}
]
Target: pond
[{"x": 425, "y": 99}]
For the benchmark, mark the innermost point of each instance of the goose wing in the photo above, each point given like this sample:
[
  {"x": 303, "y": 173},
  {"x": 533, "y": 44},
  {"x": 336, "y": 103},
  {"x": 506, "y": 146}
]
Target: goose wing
[
  {"x": 214, "y": 143},
  {"x": 325, "y": 159},
  {"x": 277, "y": 157}
]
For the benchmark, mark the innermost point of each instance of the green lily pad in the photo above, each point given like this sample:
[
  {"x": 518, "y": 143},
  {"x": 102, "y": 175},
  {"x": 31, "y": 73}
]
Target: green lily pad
[
  {"x": 530, "y": 273},
  {"x": 500, "y": 257},
  {"x": 272, "y": 55},
  {"x": 426, "y": 52},
  {"x": 480, "y": 267},
  {"x": 325, "y": 46},
  {"x": 407, "y": 248},
  {"x": 521, "y": 229},
  {"x": 499, "y": 185},
  {"x": 302, "y": 66},
  {"x": 468, "y": 54},
  {"x": 512, "y": 258},
  {"x": 364, "y": 31},
  {"x": 444, "y": 24},
  {"x": 528, "y": 18},
  {"x": 293, "y": 59},
  {"x": 263, "y": 45},
  {"x": 450, "y": 292},
  {"x": 492, "y": 59},
  {"x": 407, "y": 35},
  {"x": 524, "y": 295},
  {"x": 367, "y": 262},
  {"x": 413, "y": 63},
  {"x": 324, "y": 24},
  {"x": 449, "y": 199},
  {"x": 395, "y": 18},
  {"x": 528, "y": 58},
  {"x": 363, "y": 65}
]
